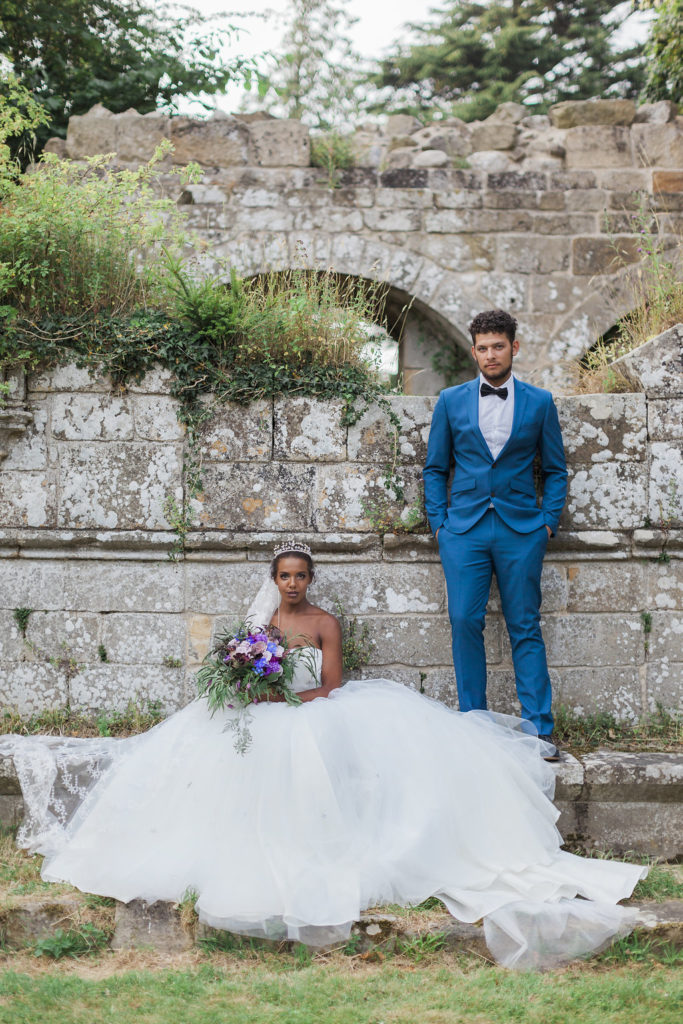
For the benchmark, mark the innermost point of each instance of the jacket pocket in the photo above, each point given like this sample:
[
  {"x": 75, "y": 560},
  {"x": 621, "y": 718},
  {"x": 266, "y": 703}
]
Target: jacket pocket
[
  {"x": 466, "y": 483},
  {"x": 523, "y": 486}
]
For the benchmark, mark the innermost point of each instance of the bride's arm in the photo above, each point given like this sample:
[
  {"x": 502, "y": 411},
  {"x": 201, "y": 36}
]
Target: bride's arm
[{"x": 331, "y": 645}]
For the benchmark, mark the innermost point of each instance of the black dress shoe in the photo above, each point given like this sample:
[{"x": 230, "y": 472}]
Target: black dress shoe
[{"x": 553, "y": 754}]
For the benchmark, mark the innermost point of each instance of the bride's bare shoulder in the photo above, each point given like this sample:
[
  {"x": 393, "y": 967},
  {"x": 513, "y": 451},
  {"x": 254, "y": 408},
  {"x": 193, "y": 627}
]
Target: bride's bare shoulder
[{"x": 326, "y": 623}]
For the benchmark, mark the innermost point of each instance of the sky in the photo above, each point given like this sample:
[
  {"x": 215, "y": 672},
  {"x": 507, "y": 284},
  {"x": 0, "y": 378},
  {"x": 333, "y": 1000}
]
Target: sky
[{"x": 381, "y": 24}]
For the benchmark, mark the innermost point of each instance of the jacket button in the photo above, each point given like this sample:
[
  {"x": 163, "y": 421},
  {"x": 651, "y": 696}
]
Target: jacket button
[
  {"x": 493, "y": 494},
  {"x": 492, "y": 465}
]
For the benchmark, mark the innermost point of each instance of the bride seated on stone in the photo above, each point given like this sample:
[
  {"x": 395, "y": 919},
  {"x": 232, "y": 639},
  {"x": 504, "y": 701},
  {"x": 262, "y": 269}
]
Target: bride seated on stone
[{"x": 365, "y": 794}]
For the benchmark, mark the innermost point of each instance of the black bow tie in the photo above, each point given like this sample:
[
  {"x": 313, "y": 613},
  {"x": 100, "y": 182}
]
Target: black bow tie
[{"x": 486, "y": 389}]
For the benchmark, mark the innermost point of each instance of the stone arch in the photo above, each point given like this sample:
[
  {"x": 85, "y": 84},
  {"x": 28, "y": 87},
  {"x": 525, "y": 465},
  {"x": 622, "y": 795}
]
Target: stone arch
[{"x": 441, "y": 303}]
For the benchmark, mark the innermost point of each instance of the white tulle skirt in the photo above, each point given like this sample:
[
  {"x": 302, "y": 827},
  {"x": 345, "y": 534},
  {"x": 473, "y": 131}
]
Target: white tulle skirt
[{"x": 375, "y": 795}]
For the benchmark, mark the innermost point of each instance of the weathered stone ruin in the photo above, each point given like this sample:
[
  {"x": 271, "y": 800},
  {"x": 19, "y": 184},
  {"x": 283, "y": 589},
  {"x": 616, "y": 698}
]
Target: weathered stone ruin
[{"x": 536, "y": 214}]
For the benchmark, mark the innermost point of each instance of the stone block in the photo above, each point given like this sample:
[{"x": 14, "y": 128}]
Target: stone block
[
  {"x": 11, "y": 811},
  {"x": 138, "y": 135},
  {"x": 345, "y": 495},
  {"x": 417, "y": 177},
  {"x": 400, "y": 157},
  {"x": 538, "y": 254},
  {"x": 92, "y": 133},
  {"x": 655, "y": 367},
  {"x": 593, "y": 640},
  {"x": 63, "y": 634},
  {"x": 111, "y": 687},
  {"x": 143, "y": 638},
  {"x": 555, "y": 293},
  {"x": 12, "y": 646},
  {"x": 606, "y": 496},
  {"x": 604, "y": 428},
  {"x": 28, "y": 450},
  {"x": 431, "y": 158},
  {"x": 656, "y": 113},
  {"x": 225, "y": 589},
  {"x": 453, "y": 140},
  {"x": 649, "y": 828},
  {"x": 409, "y": 547},
  {"x": 378, "y": 588},
  {"x": 659, "y": 145},
  {"x": 93, "y": 417},
  {"x": 236, "y": 432},
  {"x": 665, "y": 507},
  {"x": 32, "y": 687},
  {"x": 372, "y": 437},
  {"x": 25, "y": 925},
  {"x": 306, "y": 429},
  {"x": 599, "y": 586},
  {"x": 665, "y": 585},
  {"x": 278, "y": 143},
  {"x": 590, "y": 146},
  {"x": 666, "y": 637},
  {"x": 118, "y": 486},
  {"x": 157, "y": 926},
  {"x": 156, "y": 418},
  {"x": 156, "y": 381},
  {"x": 492, "y": 135},
  {"x": 665, "y": 680},
  {"x": 393, "y": 220},
  {"x": 613, "y": 689},
  {"x": 571, "y": 113},
  {"x": 220, "y": 141},
  {"x": 28, "y": 499},
  {"x": 272, "y": 496},
  {"x": 409, "y": 640},
  {"x": 401, "y": 124},
  {"x": 603, "y": 255},
  {"x": 456, "y": 252},
  {"x": 665, "y": 419},
  {"x": 106, "y": 586},
  {"x": 667, "y": 181}
]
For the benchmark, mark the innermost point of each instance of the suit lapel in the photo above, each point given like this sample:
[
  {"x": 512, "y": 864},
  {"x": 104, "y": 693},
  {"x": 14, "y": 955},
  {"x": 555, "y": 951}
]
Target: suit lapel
[{"x": 473, "y": 410}]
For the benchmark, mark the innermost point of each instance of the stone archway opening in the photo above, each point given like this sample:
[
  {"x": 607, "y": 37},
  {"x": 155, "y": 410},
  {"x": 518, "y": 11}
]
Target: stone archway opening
[{"x": 419, "y": 347}]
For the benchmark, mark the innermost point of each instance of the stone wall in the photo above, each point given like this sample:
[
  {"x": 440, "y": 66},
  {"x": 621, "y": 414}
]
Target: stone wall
[
  {"x": 84, "y": 542},
  {"x": 530, "y": 213}
]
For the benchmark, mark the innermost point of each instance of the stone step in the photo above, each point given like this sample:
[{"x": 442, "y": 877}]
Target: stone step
[
  {"x": 163, "y": 927},
  {"x": 610, "y": 801}
]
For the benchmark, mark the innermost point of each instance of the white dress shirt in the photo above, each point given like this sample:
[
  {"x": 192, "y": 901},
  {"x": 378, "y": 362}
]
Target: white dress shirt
[{"x": 495, "y": 416}]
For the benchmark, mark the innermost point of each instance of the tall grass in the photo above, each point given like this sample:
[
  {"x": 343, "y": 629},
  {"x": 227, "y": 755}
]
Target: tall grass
[
  {"x": 74, "y": 239},
  {"x": 654, "y": 290}
]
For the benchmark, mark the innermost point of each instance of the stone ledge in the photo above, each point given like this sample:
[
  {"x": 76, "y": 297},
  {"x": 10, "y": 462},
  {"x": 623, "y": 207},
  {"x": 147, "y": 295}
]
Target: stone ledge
[
  {"x": 159, "y": 927},
  {"x": 153, "y": 544}
]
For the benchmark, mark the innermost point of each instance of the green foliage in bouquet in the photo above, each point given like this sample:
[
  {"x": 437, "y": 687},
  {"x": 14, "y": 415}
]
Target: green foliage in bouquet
[{"x": 247, "y": 666}]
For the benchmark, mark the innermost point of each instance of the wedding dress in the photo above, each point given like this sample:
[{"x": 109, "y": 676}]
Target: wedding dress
[{"x": 374, "y": 795}]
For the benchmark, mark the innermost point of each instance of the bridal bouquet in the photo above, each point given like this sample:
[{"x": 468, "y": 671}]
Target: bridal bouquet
[{"x": 246, "y": 666}]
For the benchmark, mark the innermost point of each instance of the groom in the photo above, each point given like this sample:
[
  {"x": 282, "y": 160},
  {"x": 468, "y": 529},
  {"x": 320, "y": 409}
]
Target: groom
[{"x": 493, "y": 427}]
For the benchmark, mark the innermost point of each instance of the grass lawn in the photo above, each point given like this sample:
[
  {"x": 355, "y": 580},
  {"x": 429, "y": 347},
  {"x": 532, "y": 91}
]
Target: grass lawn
[{"x": 443, "y": 989}]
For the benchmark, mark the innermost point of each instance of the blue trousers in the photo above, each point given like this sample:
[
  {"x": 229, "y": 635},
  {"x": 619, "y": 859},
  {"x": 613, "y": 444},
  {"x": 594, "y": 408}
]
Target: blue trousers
[{"x": 469, "y": 560}]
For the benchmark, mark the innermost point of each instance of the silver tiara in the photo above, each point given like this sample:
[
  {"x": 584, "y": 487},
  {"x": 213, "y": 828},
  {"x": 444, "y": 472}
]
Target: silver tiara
[{"x": 293, "y": 546}]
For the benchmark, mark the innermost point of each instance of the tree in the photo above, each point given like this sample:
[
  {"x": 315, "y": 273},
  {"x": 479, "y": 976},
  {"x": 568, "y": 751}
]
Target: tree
[
  {"x": 479, "y": 54},
  {"x": 316, "y": 75},
  {"x": 664, "y": 79},
  {"x": 121, "y": 53}
]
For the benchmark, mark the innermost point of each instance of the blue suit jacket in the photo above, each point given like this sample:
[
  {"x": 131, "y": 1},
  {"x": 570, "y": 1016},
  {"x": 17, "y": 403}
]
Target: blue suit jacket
[{"x": 479, "y": 479}]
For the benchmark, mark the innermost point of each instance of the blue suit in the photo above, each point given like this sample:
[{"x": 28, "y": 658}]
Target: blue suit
[{"x": 493, "y": 523}]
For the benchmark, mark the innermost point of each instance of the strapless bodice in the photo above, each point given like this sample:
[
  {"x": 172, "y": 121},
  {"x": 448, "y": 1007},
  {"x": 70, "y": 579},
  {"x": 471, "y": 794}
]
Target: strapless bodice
[{"x": 308, "y": 668}]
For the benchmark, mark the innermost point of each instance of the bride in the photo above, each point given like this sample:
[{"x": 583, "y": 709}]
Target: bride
[{"x": 364, "y": 795}]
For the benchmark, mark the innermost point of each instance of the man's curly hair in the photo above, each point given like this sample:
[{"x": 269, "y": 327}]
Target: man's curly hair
[{"x": 494, "y": 321}]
